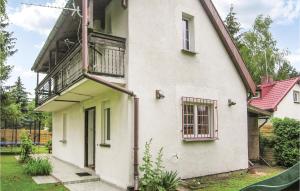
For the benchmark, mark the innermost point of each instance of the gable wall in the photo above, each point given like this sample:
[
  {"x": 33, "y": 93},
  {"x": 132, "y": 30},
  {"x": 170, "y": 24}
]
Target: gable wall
[
  {"x": 156, "y": 62},
  {"x": 287, "y": 107}
]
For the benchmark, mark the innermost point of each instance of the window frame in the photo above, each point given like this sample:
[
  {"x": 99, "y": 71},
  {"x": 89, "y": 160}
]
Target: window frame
[
  {"x": 212, "y": 119},
  {"x": 188, "y": 33},
  {"x": 106, "y": 127},
  {"x": 64, "y": 128},
  {"x": 296, "y": 94}
]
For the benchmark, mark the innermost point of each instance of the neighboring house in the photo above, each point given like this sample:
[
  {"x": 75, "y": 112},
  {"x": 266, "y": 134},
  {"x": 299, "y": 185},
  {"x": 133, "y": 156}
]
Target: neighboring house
[
  {"x": 281, "y": 98},
  {"x": 166, "y": 70}
]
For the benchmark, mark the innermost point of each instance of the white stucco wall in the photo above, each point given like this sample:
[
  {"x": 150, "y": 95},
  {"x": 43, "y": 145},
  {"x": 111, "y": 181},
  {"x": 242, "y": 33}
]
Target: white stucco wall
[
  {"x": 287, "y": 107},
  {"x": 73, "y": 150},
  {"x": 112, "y": 163},
  {"x": 156, "y": 62}
]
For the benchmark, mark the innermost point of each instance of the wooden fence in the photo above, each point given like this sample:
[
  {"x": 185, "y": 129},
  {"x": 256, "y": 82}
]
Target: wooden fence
[{"x": 13, "y": 136}]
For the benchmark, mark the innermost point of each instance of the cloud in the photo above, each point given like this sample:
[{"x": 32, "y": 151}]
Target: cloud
[
  {"x": 34, "y": 18},
  {"x": 281, "y": 11},
  {"x": 294, "y": 58}
]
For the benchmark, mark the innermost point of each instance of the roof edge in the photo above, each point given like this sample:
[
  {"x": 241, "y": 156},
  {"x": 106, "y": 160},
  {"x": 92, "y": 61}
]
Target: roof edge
[
  {"x": 50, "y": 37},
  {"x": 229, "y": 44},
  {"x": 297, "y": 79}
]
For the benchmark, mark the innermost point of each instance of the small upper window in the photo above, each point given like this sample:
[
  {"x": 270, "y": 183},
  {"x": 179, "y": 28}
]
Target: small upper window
[
  {"x": 199, "y": 119},
  {"x": 296, "y": 96},
  {"x": 187, "y": 32}
]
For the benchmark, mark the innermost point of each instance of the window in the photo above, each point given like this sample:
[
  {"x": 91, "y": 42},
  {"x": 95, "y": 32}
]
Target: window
[
  {"x": 106, "y": 123},
  {"x": 64, "y": 128},
  {"x": 199, "y": 119},
  {"x": 296, "y": 95},
  {"x": 188, "y": 32}
]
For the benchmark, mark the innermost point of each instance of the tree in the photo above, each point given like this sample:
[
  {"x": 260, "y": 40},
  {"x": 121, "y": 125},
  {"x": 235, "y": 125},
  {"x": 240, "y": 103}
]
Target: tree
[
  {"x": 286, "y": 71},
  {"x": 260, "y": 52},
  {"x": 233, "y": 26},
  {"x": 19, "y": 95},
  {"x": 7, "y": 43}
]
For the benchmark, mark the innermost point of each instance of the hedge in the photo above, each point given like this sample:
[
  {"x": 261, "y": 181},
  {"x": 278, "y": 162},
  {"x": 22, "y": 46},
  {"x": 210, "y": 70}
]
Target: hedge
[{"x": 286, "y": 141}]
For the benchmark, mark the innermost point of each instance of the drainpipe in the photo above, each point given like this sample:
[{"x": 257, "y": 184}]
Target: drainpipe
[
  {"x": 85, "y": 64},
  {"x": 136, "y": 144}
]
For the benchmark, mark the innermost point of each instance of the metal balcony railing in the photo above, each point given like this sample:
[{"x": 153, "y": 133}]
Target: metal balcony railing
[{"x": 106, "y": 58}]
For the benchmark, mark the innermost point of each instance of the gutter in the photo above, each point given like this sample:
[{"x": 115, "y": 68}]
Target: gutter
[{"x": 85, "y": 62}]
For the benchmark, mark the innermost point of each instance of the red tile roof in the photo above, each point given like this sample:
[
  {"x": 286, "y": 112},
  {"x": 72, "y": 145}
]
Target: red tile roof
[{"x": 273, "y": 93}]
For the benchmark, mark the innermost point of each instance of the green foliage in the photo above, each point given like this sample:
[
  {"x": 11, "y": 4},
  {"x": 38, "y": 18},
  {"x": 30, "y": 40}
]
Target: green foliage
[
  {"x": 266, "y": 142},
  {"x": 259, "y": 49},
  {"x": 38, "y": 167},
  {"x": 155, "y": 178},
  {"x": 13, "y": 178},
  {"x": 26, "y": 147},
  {"x": 7, "y": 43},
  {"x": 49, "y": 145},
  {"x": 286, "y": 141},
  {"x": 19, "y": 95},
  {"x": 170, "y": 180},
  {"x": 233, "y": 26}
]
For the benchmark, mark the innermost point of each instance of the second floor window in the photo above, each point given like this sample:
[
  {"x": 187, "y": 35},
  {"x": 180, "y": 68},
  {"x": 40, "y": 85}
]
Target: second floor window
[{"x": 187, "y": 32}]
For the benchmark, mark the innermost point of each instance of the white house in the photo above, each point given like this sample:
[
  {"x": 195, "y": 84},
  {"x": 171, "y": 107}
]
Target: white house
[
  {"x": 132, "y": 70},
  {"x": 281, "y": 98}
]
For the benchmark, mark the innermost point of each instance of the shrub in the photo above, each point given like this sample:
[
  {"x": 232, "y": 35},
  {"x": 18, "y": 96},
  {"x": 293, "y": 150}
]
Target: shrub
[
  {"x": 49, "y": 146},
  {"x": 155, "y": 178},
  {"x": 265, "y": 142},
  {"x": 286, "y": 141},
  {"x": 38, "y": 166},
  {"x": 170, "y": 180},
  {"x": 26, "y": 147}
]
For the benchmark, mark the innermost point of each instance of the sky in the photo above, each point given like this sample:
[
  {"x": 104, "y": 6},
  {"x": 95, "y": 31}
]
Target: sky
[{"x": 31, "y": 26}]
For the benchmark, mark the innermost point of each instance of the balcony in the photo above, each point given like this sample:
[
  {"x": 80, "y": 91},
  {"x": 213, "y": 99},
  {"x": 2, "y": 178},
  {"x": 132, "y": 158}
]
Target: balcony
[{"x": 106, "y": 58}]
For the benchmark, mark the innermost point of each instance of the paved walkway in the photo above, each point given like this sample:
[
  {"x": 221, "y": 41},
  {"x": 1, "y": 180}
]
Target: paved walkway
[{"x": 66, "y": 173}]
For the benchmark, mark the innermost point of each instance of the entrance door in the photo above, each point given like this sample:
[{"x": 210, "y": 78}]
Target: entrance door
[{"x": 90, "y": 120}]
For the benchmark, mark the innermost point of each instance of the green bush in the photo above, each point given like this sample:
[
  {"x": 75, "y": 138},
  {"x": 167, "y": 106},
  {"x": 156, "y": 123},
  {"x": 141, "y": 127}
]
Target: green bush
[
  {"x": 49, "y": 146},
  {"x": 286, "y": 141},
  {"x": 265, "y": 142},
  {"x": 155, "y": 178},
  {"x": 26, "y": 147},
  {"x": 38, "y": 166}
]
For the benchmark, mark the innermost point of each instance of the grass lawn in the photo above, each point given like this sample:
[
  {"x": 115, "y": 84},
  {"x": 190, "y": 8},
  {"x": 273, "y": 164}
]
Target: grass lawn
[
  {"x": 237, "y": 181},
  {"x": 16, "y": 150},
  {"x": 13, "y": 178}
]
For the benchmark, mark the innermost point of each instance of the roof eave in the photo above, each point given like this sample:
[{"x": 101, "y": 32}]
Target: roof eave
[
  {"x": 229, "y": 44},
  {"x": 51, "y": 36}
]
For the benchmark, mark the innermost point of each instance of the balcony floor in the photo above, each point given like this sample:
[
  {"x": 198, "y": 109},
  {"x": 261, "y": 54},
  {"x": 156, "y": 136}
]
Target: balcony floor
[{"x": 82, "y": 90}]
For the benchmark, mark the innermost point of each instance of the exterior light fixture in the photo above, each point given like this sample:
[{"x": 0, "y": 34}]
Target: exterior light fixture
[
  {"x": 231, "y": 103},
  {"x": 159, "y": 94}
]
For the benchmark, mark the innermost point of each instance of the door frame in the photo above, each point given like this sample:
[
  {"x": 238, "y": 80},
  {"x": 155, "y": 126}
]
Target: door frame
[{"x": 86, "y": 135}]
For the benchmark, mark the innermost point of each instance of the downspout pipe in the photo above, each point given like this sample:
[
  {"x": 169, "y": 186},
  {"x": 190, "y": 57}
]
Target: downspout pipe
[{"x": 85, "y": 65}]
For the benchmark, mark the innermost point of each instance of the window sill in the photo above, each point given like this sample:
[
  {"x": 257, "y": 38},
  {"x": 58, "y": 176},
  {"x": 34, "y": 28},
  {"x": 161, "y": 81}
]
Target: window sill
[
  {"x": 190, "y": 52},
  {"x": 199, "y": 139},
  {"x": 104, "y": 145},
  {"x": 63, "y": 141}
]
